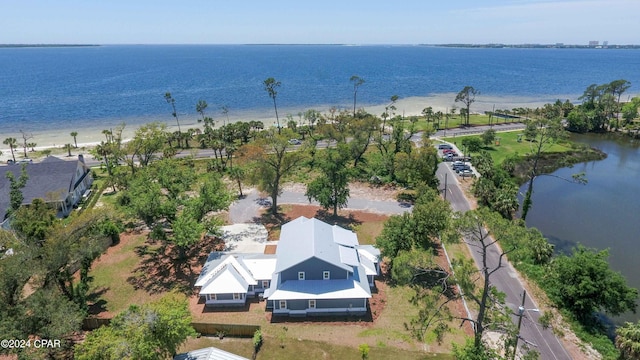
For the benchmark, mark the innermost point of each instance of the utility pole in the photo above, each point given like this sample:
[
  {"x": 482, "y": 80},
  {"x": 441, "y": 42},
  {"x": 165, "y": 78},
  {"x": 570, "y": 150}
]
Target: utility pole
[
  {"x": 445, "y": 187},
  {"x": 520, "y": 314}
]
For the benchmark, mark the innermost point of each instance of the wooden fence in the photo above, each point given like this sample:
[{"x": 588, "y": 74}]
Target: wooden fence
[{"x": 232, "y": 330}]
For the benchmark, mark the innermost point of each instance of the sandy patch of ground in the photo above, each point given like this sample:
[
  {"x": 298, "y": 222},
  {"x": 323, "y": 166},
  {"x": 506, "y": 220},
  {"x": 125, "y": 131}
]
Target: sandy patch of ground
[{"x": 357, "y": 190}]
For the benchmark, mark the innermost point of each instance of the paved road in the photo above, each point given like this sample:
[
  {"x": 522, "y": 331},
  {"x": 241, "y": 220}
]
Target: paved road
[
  {"x": 246, "y": 210},
  {"x": 478, "y": 129},
  {"x": 506, "y": 279}
]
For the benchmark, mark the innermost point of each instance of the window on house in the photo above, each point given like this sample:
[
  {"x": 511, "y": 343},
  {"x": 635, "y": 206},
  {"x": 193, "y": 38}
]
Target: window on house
[
  {"x": 301, "y": 275},
  {"x": 237, "y": 296},
  {"x": 283, "y": 304},
  {"x": 265, "y": 284},
  {"x": 312, "y": 304},
  {"x": 326, "y": 275},
  {"x": 212, "y": 297}
]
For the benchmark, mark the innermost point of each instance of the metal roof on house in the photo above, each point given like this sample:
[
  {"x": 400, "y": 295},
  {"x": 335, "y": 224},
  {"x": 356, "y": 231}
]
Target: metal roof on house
[
  {"x": 209, "y": 353},
  {"x": 304, "y": 238},
  {"x": 226, "y": 281},
  {"x": 237, "y": 269},
  {"x": 321, "y": 289}
]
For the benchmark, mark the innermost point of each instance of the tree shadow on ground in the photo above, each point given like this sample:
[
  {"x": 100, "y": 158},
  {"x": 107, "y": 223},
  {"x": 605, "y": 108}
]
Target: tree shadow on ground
[
  {"x": 95, "y": 302},
  {"x": 347, "y": 222},
  {"x": 161, "y": 269}
]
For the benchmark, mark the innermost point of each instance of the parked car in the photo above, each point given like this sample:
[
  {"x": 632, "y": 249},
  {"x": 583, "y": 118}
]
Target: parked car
[
  {"x": 445, "y": 146},
  {"x": 295, "y": 142},
  {"x": 466, "y": 173}
]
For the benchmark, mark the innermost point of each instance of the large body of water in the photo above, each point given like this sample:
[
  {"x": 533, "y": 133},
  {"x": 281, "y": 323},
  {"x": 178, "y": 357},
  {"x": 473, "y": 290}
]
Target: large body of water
[
  {"x": 602, "y": 214},
  {"x": 69, "y": 87}
]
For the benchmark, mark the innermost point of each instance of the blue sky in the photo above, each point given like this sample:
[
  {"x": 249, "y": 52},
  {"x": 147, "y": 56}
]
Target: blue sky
[{"x": 320, "y": 21}]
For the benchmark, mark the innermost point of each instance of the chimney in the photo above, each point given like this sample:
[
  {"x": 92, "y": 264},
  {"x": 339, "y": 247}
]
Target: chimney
[{"x": 81, "y": 158}]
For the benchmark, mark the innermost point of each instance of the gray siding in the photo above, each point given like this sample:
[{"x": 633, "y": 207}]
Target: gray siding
[
  {"x": 323, "y": 304},
  {"x": 340, "y": 303},
  {"x": 313, "y": 269},
  {"x": 224, "y": 296}
]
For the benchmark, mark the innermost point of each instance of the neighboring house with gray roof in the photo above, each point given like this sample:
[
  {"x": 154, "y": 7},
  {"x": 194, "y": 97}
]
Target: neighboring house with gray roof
[
  {"x": 228, "y": 279},
  {"x": 58, "y": 182},
  {"x": 321, "y": 270}
]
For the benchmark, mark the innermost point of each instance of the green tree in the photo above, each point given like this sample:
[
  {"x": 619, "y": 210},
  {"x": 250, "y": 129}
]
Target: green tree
[
  {"x": 419, "y": 229},
  {"x": 488, "y": 137},
  {"x": 364, "y": 351},
  {"x": 74, "y": 134},
  {"x": 68, "y": 147},
  {"x": 237, "y": 174},
  {"x": 171, "y": 101},
  {"x": 628, "y": 340},
  {"x": 33, "y": 222},
  {"x": 473, "y": 144},
  {"x": 148, "y": 332},
  {"x": 15, "y": 193},
  {"x": 13, "y": 144},
  {"x": 271, "y": 86},
  {"x": 331, "y": 187},
  {"x": 467, "y": 96},
  {"x": 148, "y": 141},
  {"x": 584, "y": 283},
  {"x": 617, "y": 88},
  {"x": 356, "y": 81},
  {"x": 546, "y": 132},
  {"x": 272, "y": 163}
]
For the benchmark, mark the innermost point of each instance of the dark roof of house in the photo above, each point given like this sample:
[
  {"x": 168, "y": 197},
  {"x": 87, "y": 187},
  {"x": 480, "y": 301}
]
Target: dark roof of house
[{"x": 50, "y": 180}]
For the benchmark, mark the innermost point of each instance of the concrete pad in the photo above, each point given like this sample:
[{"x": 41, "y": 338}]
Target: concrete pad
[{"x": 244, "y": 238}]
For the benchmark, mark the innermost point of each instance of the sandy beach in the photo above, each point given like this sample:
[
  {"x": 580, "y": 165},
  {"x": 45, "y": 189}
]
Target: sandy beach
[{"x": 91, "y": 135}]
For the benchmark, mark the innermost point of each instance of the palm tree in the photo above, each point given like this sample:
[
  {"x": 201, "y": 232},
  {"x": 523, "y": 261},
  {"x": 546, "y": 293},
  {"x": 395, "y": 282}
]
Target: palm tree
[
  {"x": 75, "y": 141},
  {"x": 237, "y": 174},
  {"x": 171, "y": 101},
  {"x": 357, "y": 81},
  {"x": 32, "y": 146},
  {"x": 68, "y": 148},
  {"x": 13, "y": 143},
  {"x": 225, "y": 112},
  {"x": 270, "y": 85}
]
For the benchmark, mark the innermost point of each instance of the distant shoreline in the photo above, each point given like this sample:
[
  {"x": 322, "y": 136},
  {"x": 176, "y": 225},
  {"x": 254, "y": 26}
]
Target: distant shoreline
[
  {"x": 45, "y": 45},
  {"x": 452, "y": 45},
  {"x": 90, "y": 133}
]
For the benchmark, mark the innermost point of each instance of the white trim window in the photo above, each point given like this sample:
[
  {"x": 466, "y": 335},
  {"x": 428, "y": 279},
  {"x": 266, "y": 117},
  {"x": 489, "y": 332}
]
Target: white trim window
[
  {"x": 237, "y": 296},
  {"x": 283, "y": 304},
  {"x": 301, "y": 275},
  {"x": 265, "y": 284},
  {"x": 326, "y": 275},
  {"x": 312, "y": 304}
]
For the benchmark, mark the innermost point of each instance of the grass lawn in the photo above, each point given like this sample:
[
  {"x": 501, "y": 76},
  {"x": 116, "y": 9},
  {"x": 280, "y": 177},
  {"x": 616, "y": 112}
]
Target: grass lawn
[
  {"x": 110, "y": 278},
  {"x": 455, "y": 122},
  {"x": 128, "y": 274},
  {"x": 295, "y": 349},
  {"x": 509, "y": 145}
]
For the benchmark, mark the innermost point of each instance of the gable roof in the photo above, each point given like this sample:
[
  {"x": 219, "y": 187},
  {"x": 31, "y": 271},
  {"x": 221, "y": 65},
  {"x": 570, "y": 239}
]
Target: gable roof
[
  {"x": 304, "y": 238},
  {"x": 233, "y": 273},
  {"x": 356, "y": 287},
  {"x": 210, "y": 353},
  {"x": 51, "y": 180}
]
